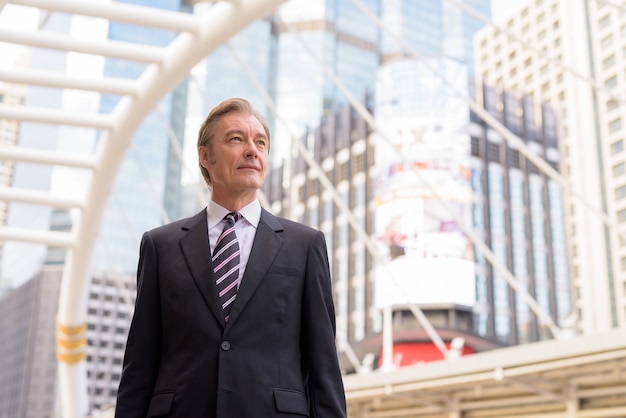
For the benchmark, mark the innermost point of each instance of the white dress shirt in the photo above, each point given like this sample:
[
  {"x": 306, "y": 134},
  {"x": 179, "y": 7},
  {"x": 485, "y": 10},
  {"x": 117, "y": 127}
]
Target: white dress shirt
[{"x": 245, "y": 228}]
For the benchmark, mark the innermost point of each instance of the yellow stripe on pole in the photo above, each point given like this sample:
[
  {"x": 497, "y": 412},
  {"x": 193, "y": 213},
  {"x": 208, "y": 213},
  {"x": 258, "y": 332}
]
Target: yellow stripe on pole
[
  {"x": 70, "y": 331},
  {"x": 71, "y": 358},
  {"x": 71, "y": 343}
]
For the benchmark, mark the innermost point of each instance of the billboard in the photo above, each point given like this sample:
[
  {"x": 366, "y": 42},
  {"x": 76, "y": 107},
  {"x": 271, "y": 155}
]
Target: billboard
[{"x": 422, "y": 186}]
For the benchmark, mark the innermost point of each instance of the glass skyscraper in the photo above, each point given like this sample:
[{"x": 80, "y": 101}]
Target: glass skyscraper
[{"x": 308, "y": 36}]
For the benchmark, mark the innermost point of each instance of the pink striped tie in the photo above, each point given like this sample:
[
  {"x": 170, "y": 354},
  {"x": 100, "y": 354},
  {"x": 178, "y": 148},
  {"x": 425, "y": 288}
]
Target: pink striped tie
[{"x": 226, "y": 264}]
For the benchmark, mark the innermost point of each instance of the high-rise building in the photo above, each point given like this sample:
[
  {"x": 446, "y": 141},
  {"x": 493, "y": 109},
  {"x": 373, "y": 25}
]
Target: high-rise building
[
  {"x": 28, "y": 361},
  {"x": 570, "y": 54},
  {"x": 109, "y": 312},
  {"x": 445, "y": 30},
  {"x": 307, "y": 38},
  {"x": 28, "y": 364},
  {"x": 340, "y": 145},
  {"x": 10, "y": 94},
  {"x": 518, "y": 212}
]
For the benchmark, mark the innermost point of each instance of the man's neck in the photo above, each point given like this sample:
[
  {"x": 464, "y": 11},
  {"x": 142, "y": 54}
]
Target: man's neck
[{"x": 234, "y": 204}]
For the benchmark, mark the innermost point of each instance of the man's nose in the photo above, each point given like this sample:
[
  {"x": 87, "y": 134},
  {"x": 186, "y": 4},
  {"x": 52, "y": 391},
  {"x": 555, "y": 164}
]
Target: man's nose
[{"x": 251, "y": 149}]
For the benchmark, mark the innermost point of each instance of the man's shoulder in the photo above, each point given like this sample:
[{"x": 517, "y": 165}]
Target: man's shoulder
[
  {"x": 179, "y": 226},
  {"x": 289, "y": 225}
]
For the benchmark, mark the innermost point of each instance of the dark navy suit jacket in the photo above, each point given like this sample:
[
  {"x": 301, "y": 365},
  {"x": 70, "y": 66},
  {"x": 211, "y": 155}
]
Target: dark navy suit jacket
[{"x": 276, "y": 355}]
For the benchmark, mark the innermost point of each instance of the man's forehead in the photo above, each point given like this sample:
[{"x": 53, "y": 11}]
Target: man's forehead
[{"x": 239, "y": 122}]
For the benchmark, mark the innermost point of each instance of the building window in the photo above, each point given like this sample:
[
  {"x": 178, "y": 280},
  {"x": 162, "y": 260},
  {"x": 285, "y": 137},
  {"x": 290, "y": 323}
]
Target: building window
[
  {"x": 343, "y": 172},
  {"x": 615, "y": 125},
  {"x": 606, "y": 41},
  {"x": 559, "y": 78},
  {"x": 493, "y": 151},
  {"x": 611, "y": 82},
  {"x": 515, "y": 160},
  {"x": 621, "y": 216},
  {"x": 359, "y": 164},
  {"x": 619, "y": 169},
  {"x": 620, "y": 193},
  {"x": 604, "y": 22},
  {"x": 617, "y": 147},
  {"x": 541, "y": 35},
  {"x": 608, "y": 62},
  {"x": 623, "y": 260},
  {"x": 475, "y": 147},
  {"x": 611, "y": 105}
]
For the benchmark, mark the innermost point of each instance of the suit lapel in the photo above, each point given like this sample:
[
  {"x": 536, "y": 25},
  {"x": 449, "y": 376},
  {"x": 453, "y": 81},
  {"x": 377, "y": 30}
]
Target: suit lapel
[
  {"x": 265, "y": 247},
  {"x": 195, "y": 247}
]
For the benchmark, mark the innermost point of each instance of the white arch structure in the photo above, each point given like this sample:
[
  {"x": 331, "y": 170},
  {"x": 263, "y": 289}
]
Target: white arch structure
[{"x": 198, "y": 36}]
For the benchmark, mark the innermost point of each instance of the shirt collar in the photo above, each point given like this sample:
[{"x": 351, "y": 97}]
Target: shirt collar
[{"x": 251, "y": 213}]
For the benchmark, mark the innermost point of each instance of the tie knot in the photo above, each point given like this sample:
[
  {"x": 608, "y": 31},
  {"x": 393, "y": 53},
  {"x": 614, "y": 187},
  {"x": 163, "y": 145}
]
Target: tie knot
[{"x": 232, "y": 217}]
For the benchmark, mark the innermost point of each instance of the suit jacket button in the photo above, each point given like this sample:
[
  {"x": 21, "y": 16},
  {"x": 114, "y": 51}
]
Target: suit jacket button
[{"x": 225, "y": 345}]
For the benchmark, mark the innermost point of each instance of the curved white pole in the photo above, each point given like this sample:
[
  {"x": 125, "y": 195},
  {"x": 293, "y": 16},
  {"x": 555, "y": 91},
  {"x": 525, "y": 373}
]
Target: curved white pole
[{"x": 221, "y": 22}]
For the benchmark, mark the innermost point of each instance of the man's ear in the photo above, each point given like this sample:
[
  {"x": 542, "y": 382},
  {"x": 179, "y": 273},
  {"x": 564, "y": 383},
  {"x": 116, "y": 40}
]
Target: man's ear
[{"x": 204, "y": 156}]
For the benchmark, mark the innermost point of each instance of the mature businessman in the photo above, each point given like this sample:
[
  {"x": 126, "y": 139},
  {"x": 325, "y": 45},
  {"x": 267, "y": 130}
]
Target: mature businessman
[{"x": 234, "y": 314}]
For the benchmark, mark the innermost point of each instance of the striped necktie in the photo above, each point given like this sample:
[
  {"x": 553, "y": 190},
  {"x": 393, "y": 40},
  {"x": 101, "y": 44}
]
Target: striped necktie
[{"x": 226, "y": 264}]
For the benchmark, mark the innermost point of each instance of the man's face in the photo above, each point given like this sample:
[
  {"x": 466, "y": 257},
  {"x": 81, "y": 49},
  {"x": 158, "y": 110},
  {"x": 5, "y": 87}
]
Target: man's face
[{"x": 238, "y": 158}]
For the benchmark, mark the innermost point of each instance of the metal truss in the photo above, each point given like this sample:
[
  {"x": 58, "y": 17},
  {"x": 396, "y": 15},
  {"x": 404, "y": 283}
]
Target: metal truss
[{"x": 197, "y": 36}]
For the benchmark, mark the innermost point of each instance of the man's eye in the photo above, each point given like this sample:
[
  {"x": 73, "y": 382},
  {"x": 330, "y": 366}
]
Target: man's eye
[
  {"x": 235, "y": 138},
  {"x": 261, "y": 143}
]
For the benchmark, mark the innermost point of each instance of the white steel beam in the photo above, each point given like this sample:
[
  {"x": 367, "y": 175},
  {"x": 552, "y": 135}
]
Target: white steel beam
[
  {"x": 46, "y": 157},
  {"x": 55, "y": 116},
  {"x": 112, "y": 49},
  {"x": 121, "y": 12},
  {"x": 38, "y": 236},
  {"x": 39, "y": 197},
  {"x": 119, "y": 86}
]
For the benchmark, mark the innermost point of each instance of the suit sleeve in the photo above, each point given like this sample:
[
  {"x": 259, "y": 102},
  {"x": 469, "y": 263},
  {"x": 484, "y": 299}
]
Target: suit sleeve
[
  {"x": 319, "y": 354},
  {"x": 142, "y": 354}
]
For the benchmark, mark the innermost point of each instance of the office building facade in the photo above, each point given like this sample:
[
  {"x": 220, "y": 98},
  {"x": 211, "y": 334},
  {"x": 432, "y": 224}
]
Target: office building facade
[
  {"x": 28, "y": 364},
  {"x": 9, "y": 129},
  {"x": 518, "y": 211},
  {"x": 28, "y": 361},
  {"x": 109, "y": 311},
  {"x": 340, "y": 146},
  {"x": 570, "y": 54}
]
